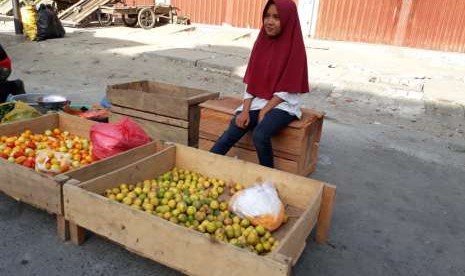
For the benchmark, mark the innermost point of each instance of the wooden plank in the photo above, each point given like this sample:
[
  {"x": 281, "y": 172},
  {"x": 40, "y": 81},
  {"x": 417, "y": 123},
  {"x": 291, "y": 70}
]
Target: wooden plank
[
  {"x": 247, "y": 146},
  {"x": 326, "y": 213},
  {"x": 163, "y": 241},
  {"x": 159, "y": 103},
  {"x": 159, "y": 98},
  {"x": 36, "y": 125},
  {"x": 251, "y": 156},
  {"x": 229, "y": 104},
  {"x": 62, "y": 228},
  {"x": 26, "y": 185},
  {"x": 158, "y": 130},
  {"x": 286, "y": 144},
  {"x": 149, "y": 116},
  {"x": 194, "y": 122},
  {"x": 294, "y": 242},
  {"x": 75, "y": 125},
  {"x": 230, "y": 169},
  {"x": 146, "y": 168},
  {"x": 310, "y": 160},
  {"x": 77, "y": 233},
  {"x": 201, "y": 97},
  {"x": 115, "y": 162}
]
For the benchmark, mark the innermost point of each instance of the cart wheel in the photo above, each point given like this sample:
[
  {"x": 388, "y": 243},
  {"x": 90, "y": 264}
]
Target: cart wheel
[
  {"x": 105, "y": 19},
  {"x": 130, "y": 20},
  {"x": 147, "y": 18}
]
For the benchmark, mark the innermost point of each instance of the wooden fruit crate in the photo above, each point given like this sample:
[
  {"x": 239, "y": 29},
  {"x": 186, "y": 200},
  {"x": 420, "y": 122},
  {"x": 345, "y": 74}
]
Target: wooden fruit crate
[
  {"x": 167, "y": 112},
  {"x": 295, "y": 148},
  {"x": 309, "y": 203},
  {"x": 44, "y": 191}
]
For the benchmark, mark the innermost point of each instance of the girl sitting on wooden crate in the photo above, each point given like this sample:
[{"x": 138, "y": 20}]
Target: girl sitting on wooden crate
[{"x": 276, "y": 77}]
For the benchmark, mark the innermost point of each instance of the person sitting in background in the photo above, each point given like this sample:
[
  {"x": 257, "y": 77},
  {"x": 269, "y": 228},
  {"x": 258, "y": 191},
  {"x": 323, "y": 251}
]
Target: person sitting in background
[
  {"x": 15, "y": 87},
  {"x": 276, "y": 77}
]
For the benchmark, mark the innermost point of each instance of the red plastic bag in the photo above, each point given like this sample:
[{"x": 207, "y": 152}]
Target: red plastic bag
[{"x": 111, "y": 139}]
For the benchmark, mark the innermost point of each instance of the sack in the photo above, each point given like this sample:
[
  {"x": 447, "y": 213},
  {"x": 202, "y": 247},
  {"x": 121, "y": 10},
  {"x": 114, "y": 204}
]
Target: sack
[
  {"x": 260, "y": 204},
  {"x": 21, "y": 111},
  {"x": 29, "y": 20},
  {"x": 111, "y": 139},
  {"x": 49, "y": 25}
]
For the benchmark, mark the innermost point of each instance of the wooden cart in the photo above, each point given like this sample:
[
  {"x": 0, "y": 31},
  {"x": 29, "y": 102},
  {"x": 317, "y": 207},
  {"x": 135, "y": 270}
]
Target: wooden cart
[{"x": 146, "y": 16}]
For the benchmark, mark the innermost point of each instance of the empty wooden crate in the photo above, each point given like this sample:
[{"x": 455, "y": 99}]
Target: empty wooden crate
[
  {"x": 295, "y": 148},
  {"x": 308, "y": 202},
  {"x": 167, "y": 112}
]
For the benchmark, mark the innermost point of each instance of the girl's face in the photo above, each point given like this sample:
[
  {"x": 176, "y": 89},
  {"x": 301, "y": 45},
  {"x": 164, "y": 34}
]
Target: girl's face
[{"x": 271, "y": 22}]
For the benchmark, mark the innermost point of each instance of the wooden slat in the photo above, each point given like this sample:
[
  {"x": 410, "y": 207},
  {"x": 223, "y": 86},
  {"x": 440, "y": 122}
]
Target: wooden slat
[
  {"x": 26, "y": 185},
  {"x": 251, "y": 156},
  {"x": 75, "y": 125},
  {"x": 326, "y": 213},
  {"x": 229, "y": 104},
  {"x": 294, "y": 242},
  {"x": 149, "y": 116},
  {"x": 159, "y": 98},
  {"x": 157, "y": 130},
  {"x": 115, "y": 162},
  {"x": 287, "y": 143},
  {"x": 36, "y": 125},
  {"x": 62, "y": 227},
  {"x": 146, "y": 168}
]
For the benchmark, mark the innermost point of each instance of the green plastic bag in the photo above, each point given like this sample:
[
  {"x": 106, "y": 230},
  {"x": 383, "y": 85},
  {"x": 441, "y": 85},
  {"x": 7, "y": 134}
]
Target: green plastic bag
[
  {"x": 20, "y": 112},
  {"x": 5, "y": 108}
]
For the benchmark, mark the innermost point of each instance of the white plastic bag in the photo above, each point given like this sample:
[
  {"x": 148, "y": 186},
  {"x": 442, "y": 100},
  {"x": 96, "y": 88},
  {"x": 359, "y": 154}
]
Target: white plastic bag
[
  {"x": 260, "y": 204},
  {"x": 62, "y": 161}
]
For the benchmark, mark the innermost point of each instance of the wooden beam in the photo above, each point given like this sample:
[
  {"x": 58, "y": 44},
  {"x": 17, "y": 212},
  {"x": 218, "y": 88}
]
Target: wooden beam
[
  {"x": 326, "y": 212},
  {"x": 77, "y": 233},
  {"x": 62, "y": 228}
]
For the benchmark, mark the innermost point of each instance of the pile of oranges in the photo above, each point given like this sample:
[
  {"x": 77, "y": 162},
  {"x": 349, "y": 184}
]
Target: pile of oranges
[{"x": 56, "y": 145}]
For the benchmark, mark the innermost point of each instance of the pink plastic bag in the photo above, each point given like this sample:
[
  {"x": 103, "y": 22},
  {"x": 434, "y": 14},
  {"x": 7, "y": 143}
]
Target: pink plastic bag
[{"x": 111, "y": 139}]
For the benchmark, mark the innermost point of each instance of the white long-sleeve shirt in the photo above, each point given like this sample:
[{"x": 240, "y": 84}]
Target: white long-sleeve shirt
[{"x": 291, "y": 102}]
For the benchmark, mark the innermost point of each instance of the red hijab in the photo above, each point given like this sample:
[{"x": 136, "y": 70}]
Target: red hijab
[{"x": 278, "y": 64}]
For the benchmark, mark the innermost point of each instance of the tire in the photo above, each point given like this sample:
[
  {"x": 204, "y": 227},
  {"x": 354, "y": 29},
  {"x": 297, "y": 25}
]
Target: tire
[
  {"x": 146, "y": 18},
  {"x": 105, "y": 19},
  {"x": 130, "y": 20}
]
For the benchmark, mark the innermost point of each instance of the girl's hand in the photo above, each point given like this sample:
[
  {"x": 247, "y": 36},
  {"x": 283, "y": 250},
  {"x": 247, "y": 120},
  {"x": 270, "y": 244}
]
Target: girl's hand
[
  {"x": 243, "y": 119},
  {"x": 262, "y": 114}
]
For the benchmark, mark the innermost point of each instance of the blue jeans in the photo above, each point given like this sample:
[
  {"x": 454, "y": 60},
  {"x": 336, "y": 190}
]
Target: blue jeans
[{"x": 274, "y": 121}]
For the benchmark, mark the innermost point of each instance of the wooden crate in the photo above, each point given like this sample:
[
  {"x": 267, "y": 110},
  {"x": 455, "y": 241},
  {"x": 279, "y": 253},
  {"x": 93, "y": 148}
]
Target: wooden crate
[
  {"x": 295, "y": 148},
  {"x": 167, "y": 112},
  {"x": 308, "y": 202},
  {"x": 44, "y": 191}
]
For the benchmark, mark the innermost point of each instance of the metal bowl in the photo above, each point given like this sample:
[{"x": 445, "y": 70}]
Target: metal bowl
[
  {"x": 30, "y": 99},
  {"x": 52, "y": 101}
]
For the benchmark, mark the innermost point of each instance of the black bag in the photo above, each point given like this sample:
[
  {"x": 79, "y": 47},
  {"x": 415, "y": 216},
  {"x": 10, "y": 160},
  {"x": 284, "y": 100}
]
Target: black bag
[{"x": 48, "y": 24}]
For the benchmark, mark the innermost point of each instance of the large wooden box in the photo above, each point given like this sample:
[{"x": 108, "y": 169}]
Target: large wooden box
[
  {"x": 167, "y": 112},
  {"x": 44, "y": 191},
  {"x": 295, "y": 148},
  {"x": 308, "y": 202}
]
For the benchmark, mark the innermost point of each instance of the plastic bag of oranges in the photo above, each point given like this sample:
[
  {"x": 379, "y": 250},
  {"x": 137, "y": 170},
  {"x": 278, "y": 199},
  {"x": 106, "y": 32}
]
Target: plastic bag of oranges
[
  {"x": 260, "y": 204},
  {"x": 52, "y": 162}
]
